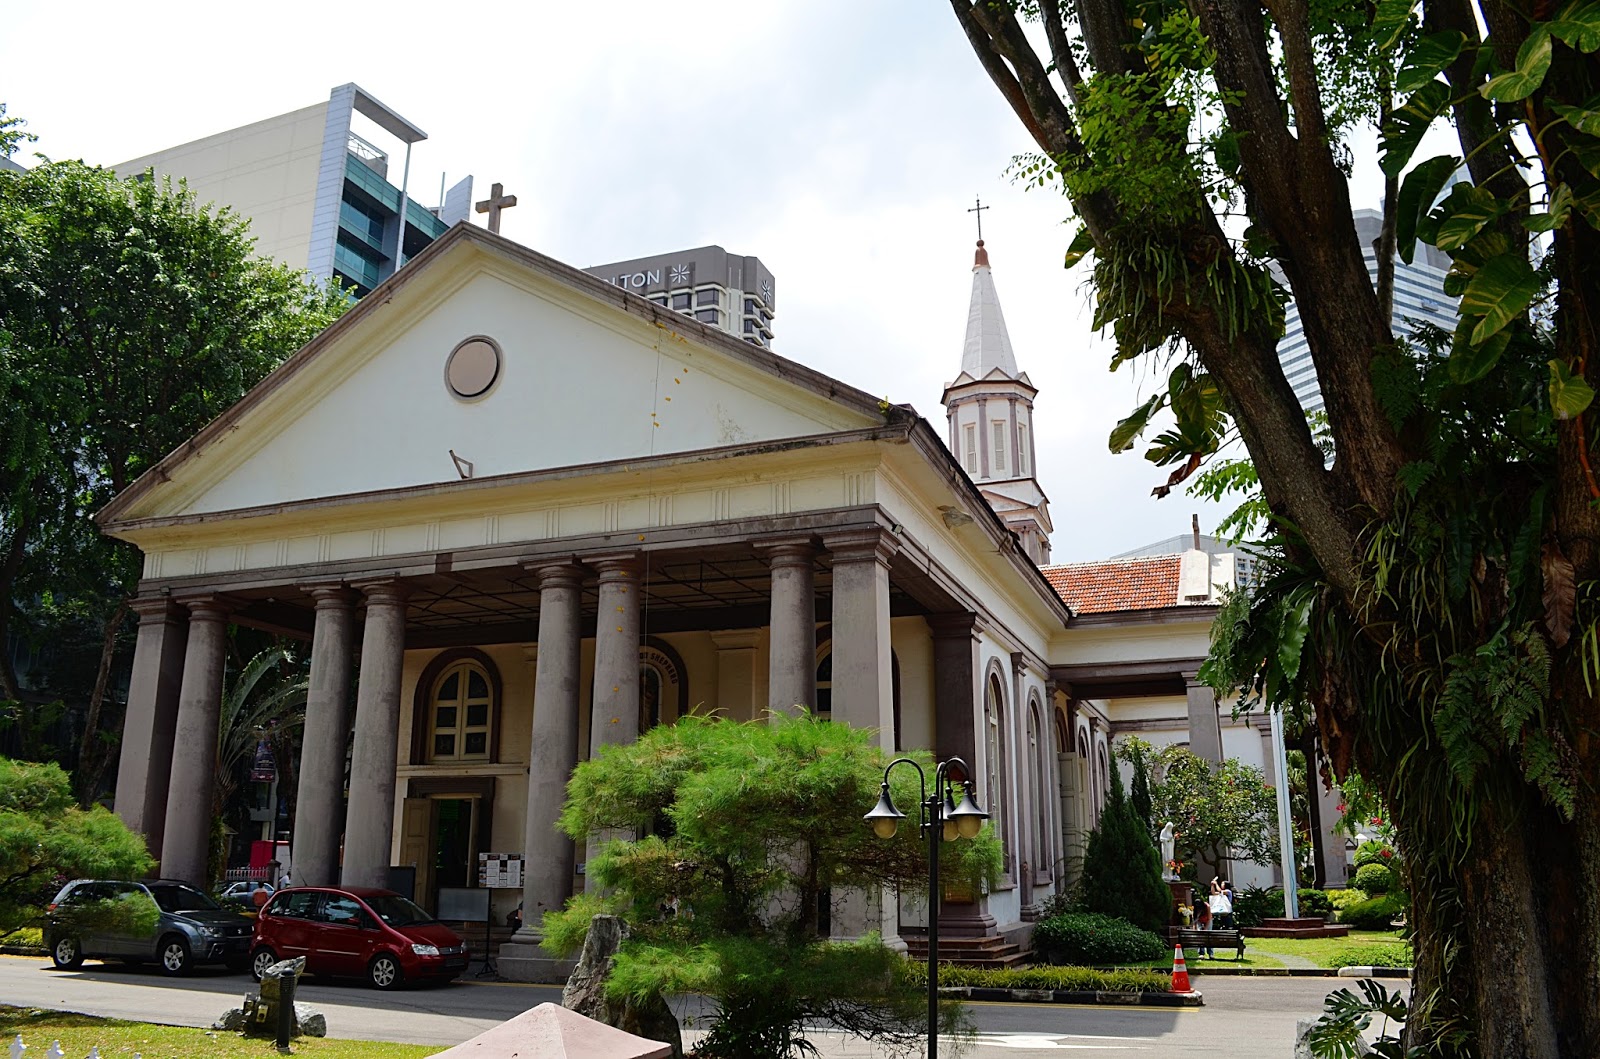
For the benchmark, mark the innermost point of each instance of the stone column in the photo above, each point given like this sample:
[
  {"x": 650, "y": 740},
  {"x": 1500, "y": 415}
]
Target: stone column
[
  {"x": 956, "y": 718},
  {"x": 614, "y": 709},
  {"x": 863, "y": 675},
  {"x": 1205, "y": 727},
  {"x": 369, "y": 820},
  {"x": 863, "y": 692},
  {"x": 319, "y": 804},
  {"x": 1331, "y": 852},
  {"x": 145, "y": 771},
  {"x": 186, "y": 838},
  {"x": 792, "y": 673},
  {"x": 552, "y": 755}
]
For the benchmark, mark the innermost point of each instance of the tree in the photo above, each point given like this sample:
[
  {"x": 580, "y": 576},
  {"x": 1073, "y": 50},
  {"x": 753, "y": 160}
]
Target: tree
[
  {"x": 1139, "y": 794},
  {"x": 1437, "y": 599},
  {"x": 253, "y": 711},
  {"x": 1218, "y": 811},
  {"x": 46, "y": 839},
  {"x": 1122, "y": 867},
  {"x": 752, "y": 827},
  {"x": 130, "y": 316}
]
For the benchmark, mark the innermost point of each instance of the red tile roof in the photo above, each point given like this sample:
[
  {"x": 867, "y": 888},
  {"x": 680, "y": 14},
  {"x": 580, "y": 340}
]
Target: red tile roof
[{"x": 1144, "y": 583}]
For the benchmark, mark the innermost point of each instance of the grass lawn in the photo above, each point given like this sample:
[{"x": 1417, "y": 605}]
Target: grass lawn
[
  {"x": 1360, "y": 947},
  {"x": 115, "y": 1038}
]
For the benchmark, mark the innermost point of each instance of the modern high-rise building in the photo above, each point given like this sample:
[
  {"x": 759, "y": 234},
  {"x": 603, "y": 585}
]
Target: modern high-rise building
[
  {"x": 319, "y": 194},
  {"x": 990, "y": 412},
  {"x": 724, "y": 290},
  {"x": 1419, "y": 297}
]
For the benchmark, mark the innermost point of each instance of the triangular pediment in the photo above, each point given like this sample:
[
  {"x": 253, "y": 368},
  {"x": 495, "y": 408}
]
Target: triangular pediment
[{"x": 584, "y": 374}]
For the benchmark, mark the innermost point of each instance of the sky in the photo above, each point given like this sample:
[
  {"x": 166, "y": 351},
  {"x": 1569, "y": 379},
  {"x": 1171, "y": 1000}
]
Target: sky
[{"x": 840, "y": 141}]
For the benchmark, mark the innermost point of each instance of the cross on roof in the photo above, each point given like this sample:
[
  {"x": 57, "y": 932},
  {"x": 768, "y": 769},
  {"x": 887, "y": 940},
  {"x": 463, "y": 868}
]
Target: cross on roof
[
  {"x": 978, "y": 209},
  {"x": 498, "y": 200}
]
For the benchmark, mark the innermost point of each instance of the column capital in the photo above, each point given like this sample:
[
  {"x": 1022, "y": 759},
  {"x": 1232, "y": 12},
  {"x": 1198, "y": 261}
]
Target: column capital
[
  {"x": 154, "y": 610},
  {"x": 872, "y": 544},
  {"x": 388, "y": 592},
  {"x": 621, "y": 566},
  {"x": 790, "y": 551},
  {"x": 210, "y": 607},
  {"x": 1019, "y": 663},
  {"x": 565, "y": 572},
  {"x": 954, "y": 625},
  {"x": 331, "y": 595}
]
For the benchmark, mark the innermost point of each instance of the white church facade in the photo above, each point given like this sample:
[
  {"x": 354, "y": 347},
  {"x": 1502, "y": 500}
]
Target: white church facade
[{"x": 495, "y": 579}]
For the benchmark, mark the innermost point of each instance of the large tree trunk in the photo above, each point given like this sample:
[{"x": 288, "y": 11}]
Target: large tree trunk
[{"x": 94, "y": 750}]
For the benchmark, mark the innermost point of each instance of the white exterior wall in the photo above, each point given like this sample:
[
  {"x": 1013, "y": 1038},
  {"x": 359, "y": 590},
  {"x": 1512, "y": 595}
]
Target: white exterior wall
[{"x": 266, "y": 172}]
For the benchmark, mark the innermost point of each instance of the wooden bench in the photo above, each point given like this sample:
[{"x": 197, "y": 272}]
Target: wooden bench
[{"x": 1195, "y": 940}]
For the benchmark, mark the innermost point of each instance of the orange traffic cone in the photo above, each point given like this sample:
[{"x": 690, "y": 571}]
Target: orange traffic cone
[{"x": 1180, "y": 973}]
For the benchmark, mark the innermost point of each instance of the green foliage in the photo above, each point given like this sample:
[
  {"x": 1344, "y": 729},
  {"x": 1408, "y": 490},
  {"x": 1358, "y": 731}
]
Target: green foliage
[
  {"x": 1122, "y": 867},
  {"x": 1139, "y": 795},
  {"x": 753, "y": 824},
  {"x": 1112, "y": 980},
  {"x": 1091, "y": 939},
  {"x": 1341, "y": 1032},
  {"x": 1314, "y": 902},
  {"x": 1374, "y": 880},
  {"x": 1344, "y": 898},
  {"x": 130, "y": 316},
  {"x": 46, "y": 839},
  {"x": 1373, "y": 913},
  {"x": 1373, "y": 851},
  {"x": 1215, "y": 809},
  {"x": 1390, "y": 954},
  {"x": 1253, "y": 904}
]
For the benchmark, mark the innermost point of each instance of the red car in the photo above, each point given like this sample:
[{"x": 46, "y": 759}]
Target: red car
[{"x": 360, "y": 932}]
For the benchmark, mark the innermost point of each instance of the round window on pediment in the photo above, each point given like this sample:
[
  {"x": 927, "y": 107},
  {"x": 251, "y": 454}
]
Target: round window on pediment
[{"x": 473, "y": 368}]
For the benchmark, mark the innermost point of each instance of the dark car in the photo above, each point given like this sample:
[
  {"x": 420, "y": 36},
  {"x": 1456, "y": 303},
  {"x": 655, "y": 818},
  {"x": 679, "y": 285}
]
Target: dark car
[
  {"x": 356, "y": 933},
  {"x": 191, "y": 928}
]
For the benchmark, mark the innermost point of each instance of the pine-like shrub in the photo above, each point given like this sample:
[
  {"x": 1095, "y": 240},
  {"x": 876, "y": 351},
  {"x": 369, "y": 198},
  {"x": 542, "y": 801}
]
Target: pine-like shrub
[
  {"x": 1122, "y": 867},
  {"x": 1094, "y": 940},
  {"x": 1374, "y": 879},
  {"x": 1375, "y": 913},
  {"x": 1314, "y": 902}
]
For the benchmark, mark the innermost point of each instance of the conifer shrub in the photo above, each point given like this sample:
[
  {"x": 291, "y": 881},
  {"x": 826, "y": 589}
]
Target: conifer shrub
[
  {"x": 1088, "y": 939},
  {"x": 1122, "y": 867}
]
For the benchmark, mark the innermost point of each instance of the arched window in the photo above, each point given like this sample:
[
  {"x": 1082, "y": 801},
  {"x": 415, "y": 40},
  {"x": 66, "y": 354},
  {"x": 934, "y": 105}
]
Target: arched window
[
  {"x": 995, "y": 762},
  {"x": 1041, "y": 813},
  {"x": 461, "y": 714}
]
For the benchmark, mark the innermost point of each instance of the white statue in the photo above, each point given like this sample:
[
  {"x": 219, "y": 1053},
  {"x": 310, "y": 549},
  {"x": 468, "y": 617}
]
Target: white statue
[{"x": 1167, "y": 842}]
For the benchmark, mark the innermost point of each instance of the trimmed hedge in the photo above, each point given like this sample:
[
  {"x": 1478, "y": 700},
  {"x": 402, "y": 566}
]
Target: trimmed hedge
[
  {"x": 1374, "y": 880},
  {"x": 1377, "y": 954},
  {"x": 1087, "y": 938},
  {"x": 1375, "y": 913},
  {"x": 1124, "y": 980},
  {"x": 1314, "y": 902}
]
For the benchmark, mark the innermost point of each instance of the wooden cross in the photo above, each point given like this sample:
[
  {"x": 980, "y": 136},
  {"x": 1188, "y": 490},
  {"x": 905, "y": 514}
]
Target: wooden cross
[
  {"x": 978, "y": 209},
  {"x": 498, "y": 200}
]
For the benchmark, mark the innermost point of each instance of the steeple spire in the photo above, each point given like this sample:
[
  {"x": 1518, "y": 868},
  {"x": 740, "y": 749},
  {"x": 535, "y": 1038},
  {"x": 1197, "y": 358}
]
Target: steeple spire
[{"x": 988, "y": 346}]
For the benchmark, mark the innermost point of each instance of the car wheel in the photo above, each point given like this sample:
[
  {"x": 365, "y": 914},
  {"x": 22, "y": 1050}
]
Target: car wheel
[
  {"x": 384, "y": 971},
  {"x": 66, "y": 954},
  {"x": 260, "y": 960},
  {"x": 175, "y": 958}
]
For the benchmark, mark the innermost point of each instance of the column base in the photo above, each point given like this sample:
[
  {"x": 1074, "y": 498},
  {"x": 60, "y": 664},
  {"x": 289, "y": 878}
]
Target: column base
[{"x": 524, "y": 960}]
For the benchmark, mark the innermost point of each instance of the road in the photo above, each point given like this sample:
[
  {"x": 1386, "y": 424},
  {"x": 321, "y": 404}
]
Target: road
[{"x": 1243, "y": 1018}]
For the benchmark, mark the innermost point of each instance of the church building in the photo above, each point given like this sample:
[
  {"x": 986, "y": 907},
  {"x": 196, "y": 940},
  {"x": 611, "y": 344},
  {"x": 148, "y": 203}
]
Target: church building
[{"x": 496, "y": 580}]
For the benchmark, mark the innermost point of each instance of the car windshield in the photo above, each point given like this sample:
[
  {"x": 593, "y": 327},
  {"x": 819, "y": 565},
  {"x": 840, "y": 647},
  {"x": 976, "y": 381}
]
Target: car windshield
[
  {"x": 397, "y": 911},
  {"x": 182, "y": 899}
]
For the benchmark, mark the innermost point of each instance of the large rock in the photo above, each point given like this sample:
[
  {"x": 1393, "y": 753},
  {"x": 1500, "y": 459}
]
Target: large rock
[
  {"x": 257, "y": 1017},
  {"x": 1302, "y": 1047},
  {"x": 585, "y": 991}
]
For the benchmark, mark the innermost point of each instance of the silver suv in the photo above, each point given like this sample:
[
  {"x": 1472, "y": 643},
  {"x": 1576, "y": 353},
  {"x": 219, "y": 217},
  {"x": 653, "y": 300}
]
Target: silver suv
[{"x": 191, "y": 929}]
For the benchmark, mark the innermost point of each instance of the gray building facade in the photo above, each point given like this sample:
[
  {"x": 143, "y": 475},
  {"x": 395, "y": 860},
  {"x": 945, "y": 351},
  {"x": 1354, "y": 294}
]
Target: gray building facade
[{"x": 736, "y": 294}]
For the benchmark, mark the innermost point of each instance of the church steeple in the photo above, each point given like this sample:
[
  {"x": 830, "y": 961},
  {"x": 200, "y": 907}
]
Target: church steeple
[{"x": 990, "y": 409}]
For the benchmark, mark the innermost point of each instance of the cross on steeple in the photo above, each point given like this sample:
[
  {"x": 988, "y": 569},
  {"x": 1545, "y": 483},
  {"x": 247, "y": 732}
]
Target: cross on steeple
[
  {"x": 498, "y": 200},
  {"x": 978, "y": 208}
]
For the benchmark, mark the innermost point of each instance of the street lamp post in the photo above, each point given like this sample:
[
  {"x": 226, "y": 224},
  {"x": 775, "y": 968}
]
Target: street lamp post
[{"x": 940, "y": 818}]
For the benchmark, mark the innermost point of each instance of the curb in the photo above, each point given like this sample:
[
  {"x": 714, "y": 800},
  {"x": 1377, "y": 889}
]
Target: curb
[
  {"x": 1374, "y": 972},
  {"x": 1075, "y": 996},
  {"x": 22, "y": 950}
]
